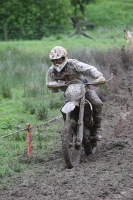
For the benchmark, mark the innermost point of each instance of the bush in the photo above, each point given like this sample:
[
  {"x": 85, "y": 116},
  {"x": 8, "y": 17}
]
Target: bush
[{"x": 37, "y": 107}]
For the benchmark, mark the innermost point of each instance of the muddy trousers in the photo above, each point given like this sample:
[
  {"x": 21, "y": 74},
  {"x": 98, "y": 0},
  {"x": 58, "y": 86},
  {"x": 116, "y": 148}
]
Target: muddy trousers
[{"x": 97, "y": 105}]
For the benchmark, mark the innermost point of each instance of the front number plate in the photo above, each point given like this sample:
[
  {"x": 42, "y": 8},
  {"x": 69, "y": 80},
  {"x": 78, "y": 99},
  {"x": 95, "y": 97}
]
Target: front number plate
[{"x": 75, "y": 88}]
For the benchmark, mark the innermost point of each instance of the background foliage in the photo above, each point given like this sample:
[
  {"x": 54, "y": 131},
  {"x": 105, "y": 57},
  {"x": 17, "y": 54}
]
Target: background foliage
[
  {"x": 32, "y": 19},
  {"x": 37, "y": 19}
]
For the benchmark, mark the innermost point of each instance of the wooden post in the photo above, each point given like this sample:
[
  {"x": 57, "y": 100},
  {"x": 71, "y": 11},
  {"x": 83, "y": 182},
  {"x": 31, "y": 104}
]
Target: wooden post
[{"x": 28, "y": 139}]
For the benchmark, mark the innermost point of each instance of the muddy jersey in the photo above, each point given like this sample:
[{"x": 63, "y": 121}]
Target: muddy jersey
[{"x": 74, "y": 69}]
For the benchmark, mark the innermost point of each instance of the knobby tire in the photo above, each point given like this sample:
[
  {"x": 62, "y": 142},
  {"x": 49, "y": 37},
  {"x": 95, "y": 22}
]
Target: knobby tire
[
  {"x": 71, "y": 154},
  {"x": 86, "y": 142}
]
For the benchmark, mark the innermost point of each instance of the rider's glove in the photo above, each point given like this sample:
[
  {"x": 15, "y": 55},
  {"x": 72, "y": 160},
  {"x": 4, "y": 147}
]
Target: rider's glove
[{"x": 99, "y": 82}]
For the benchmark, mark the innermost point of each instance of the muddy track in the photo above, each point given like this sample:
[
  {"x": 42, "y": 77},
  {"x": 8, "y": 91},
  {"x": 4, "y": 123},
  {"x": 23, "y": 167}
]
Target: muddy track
[{"x": 107, "y": 175}]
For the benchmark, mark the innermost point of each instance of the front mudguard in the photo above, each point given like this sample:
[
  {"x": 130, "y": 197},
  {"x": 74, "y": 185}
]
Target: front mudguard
[
  {"x": 72, "y": 108},
  {"x": 69, "y": 106}
]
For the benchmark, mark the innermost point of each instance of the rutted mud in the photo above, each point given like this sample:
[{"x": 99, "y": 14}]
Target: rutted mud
[{"x": 107, "y": 175}]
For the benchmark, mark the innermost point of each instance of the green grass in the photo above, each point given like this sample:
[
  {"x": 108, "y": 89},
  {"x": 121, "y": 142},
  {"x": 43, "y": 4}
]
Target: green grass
[
  {"x": 14, "y": 116},
  {"x": 13, "y": 150},
  {"x": 111, "y": 12},
  {"x": 103, "y": 38}
]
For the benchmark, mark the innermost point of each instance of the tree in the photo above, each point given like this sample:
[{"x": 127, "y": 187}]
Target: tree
[
  {"x": 32, "y": 19},
  {"x": 80, "y": 5}
]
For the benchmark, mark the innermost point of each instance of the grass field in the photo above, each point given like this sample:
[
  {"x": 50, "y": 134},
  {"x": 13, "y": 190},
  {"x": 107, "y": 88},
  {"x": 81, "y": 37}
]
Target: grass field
[{"x": 103, "y": 38}]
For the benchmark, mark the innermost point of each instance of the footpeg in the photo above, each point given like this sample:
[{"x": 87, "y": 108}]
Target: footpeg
[
  {"x": 94, "y": 150},
  {"x": 70, "y": 144},
  {"x": 96, "y": 138},
  {"x": 78, "y": 145}
]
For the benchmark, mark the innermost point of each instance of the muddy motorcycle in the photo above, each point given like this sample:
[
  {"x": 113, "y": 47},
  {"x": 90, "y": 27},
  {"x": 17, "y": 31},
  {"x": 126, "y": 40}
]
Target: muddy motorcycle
[{"x": 78, "y": 121}]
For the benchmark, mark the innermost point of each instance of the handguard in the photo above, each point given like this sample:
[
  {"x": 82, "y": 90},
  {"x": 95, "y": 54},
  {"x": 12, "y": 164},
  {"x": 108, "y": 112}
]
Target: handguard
[
  {"x": 55, "y": 84},
  {"x": 97, "y": 82}
]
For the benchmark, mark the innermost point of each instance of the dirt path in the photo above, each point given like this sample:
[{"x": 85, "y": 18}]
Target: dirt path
[{"x": 107, "y": 175}]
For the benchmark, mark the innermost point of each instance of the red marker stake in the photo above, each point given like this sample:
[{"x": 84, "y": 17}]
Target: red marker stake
[{"x": 28, "y": 139}]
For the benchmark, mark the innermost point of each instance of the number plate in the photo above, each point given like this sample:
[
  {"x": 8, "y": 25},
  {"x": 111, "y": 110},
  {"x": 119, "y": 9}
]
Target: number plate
[{"x": 74, "y": 88}]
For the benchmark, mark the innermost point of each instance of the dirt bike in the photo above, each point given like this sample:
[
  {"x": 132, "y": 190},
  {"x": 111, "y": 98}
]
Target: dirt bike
[{"x": 78, "y": 121}]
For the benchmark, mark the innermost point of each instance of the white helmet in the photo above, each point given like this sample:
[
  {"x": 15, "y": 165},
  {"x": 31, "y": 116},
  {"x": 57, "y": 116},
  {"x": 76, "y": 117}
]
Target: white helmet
[{"x": 58, "y": 52}]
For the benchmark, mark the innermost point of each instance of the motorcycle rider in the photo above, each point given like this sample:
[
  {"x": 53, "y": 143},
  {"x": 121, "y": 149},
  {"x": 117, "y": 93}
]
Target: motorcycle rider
[{"x": 64, "y": 69}]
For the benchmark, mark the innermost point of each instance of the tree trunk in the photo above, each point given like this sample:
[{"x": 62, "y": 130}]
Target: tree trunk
[
  {"x": 82, "y": 8},
  {"x": 5, "y": 31},
  {"x": 76, "y": 23}
]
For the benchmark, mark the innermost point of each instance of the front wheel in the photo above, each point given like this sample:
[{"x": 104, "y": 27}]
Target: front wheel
[{"x": 71, "y": 154}]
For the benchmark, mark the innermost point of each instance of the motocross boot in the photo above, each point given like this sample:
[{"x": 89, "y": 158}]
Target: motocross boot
[
  {"x": 96, "y": 132},
  {"x": 97, "y": 115}
]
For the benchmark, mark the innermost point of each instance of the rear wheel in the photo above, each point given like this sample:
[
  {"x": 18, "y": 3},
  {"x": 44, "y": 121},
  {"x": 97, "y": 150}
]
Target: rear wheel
[
  {"x": 71, "y": 154},
  {"x": 86, "y": 142},
  {"x": 87, "y": 148},
  {"x": 90, "y": 146}
]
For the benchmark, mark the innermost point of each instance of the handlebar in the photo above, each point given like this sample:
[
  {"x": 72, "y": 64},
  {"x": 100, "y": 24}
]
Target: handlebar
[
  {"x": 65, "y": 84},
  {"x": 96, "y": 83}
]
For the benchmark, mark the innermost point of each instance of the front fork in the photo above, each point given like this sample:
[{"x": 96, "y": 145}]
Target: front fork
[{"x": 80, "y": 120}]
